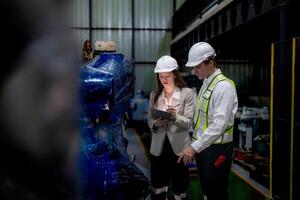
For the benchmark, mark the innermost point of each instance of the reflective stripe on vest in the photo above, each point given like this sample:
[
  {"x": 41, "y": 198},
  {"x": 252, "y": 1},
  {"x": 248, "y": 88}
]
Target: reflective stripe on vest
[{"x": 201, "y": 121}]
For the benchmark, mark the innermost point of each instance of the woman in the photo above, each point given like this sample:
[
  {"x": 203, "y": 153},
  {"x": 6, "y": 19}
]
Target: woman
[{"x": 169, "y": 136}]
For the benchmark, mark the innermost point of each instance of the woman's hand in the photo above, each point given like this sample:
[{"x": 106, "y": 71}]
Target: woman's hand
[
  {"x": 160, "y": 122},
  {"x": 187, "y": 155},
  {"x": 172, "y": 110}
]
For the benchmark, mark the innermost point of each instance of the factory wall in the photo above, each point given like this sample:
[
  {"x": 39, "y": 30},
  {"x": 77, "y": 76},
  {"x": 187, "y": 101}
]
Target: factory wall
[{"x": 142, "y": 30}]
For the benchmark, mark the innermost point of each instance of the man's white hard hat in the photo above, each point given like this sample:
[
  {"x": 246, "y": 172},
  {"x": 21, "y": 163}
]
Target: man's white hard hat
[
  {"x": 165, "y": 64},
  {"x": 198, "y": 53}
]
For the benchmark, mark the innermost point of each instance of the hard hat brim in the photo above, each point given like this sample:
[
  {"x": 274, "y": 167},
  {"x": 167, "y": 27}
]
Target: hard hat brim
[
  {"x": 163, "y": 70},
  {"x": 203, "y": 58},
  {"x": 193, "y": 64}
]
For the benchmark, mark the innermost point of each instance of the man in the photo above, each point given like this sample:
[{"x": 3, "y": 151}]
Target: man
[{"x": 215, "y": 109}]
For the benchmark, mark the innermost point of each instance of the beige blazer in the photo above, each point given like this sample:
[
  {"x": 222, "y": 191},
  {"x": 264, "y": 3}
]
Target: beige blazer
[{"x": 177, "y": 131}]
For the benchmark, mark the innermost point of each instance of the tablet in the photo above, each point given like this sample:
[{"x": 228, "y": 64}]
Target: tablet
[{"x": 159, "y": 113}]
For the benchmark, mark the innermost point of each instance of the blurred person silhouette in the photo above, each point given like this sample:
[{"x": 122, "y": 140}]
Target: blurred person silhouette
[
  {"x": 138, "y": 106},
  {"x": 38, "y": 103}
]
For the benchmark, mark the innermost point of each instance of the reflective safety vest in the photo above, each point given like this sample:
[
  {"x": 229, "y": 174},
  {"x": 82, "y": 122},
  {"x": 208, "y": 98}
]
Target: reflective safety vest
[{"x": 201, "y": 113}]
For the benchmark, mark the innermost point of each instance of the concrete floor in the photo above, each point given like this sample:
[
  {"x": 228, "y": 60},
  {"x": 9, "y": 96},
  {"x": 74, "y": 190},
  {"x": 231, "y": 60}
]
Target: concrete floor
[
  {"x": 238, "y": 189},
  {"x": 136, "y": 148}
]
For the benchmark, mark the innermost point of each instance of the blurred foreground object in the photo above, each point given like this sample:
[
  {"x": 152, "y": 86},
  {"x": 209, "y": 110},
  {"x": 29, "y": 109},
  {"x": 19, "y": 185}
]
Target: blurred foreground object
[{"x": 39, "y": 137}]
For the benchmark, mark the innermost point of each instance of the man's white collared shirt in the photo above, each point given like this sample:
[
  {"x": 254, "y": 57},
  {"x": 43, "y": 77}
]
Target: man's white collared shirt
[{"x": 221, "y": 112}]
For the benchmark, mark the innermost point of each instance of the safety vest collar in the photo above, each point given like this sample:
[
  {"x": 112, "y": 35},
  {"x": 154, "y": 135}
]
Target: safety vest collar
[{"x": 211, "y": 77}]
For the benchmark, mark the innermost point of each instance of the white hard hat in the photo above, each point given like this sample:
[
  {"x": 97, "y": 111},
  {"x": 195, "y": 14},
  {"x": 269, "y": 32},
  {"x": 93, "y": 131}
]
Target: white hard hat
[
  {"x": 198, "y": 53},
  {"x": 165, "y": 64}
]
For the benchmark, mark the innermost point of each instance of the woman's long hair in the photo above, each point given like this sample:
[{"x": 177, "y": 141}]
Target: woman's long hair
[{"x": 179, "y": 82}]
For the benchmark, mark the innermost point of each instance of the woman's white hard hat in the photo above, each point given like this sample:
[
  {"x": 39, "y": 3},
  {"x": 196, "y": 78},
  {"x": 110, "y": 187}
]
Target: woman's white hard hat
[
  {"x": 165, "y": 64},
  {"x": 198, "y": 53}
]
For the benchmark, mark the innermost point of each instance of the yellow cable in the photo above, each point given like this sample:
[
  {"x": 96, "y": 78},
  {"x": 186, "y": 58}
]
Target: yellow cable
[
  {"x": 271, "y": 120},
  {"x": 292, "y": 117}
]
